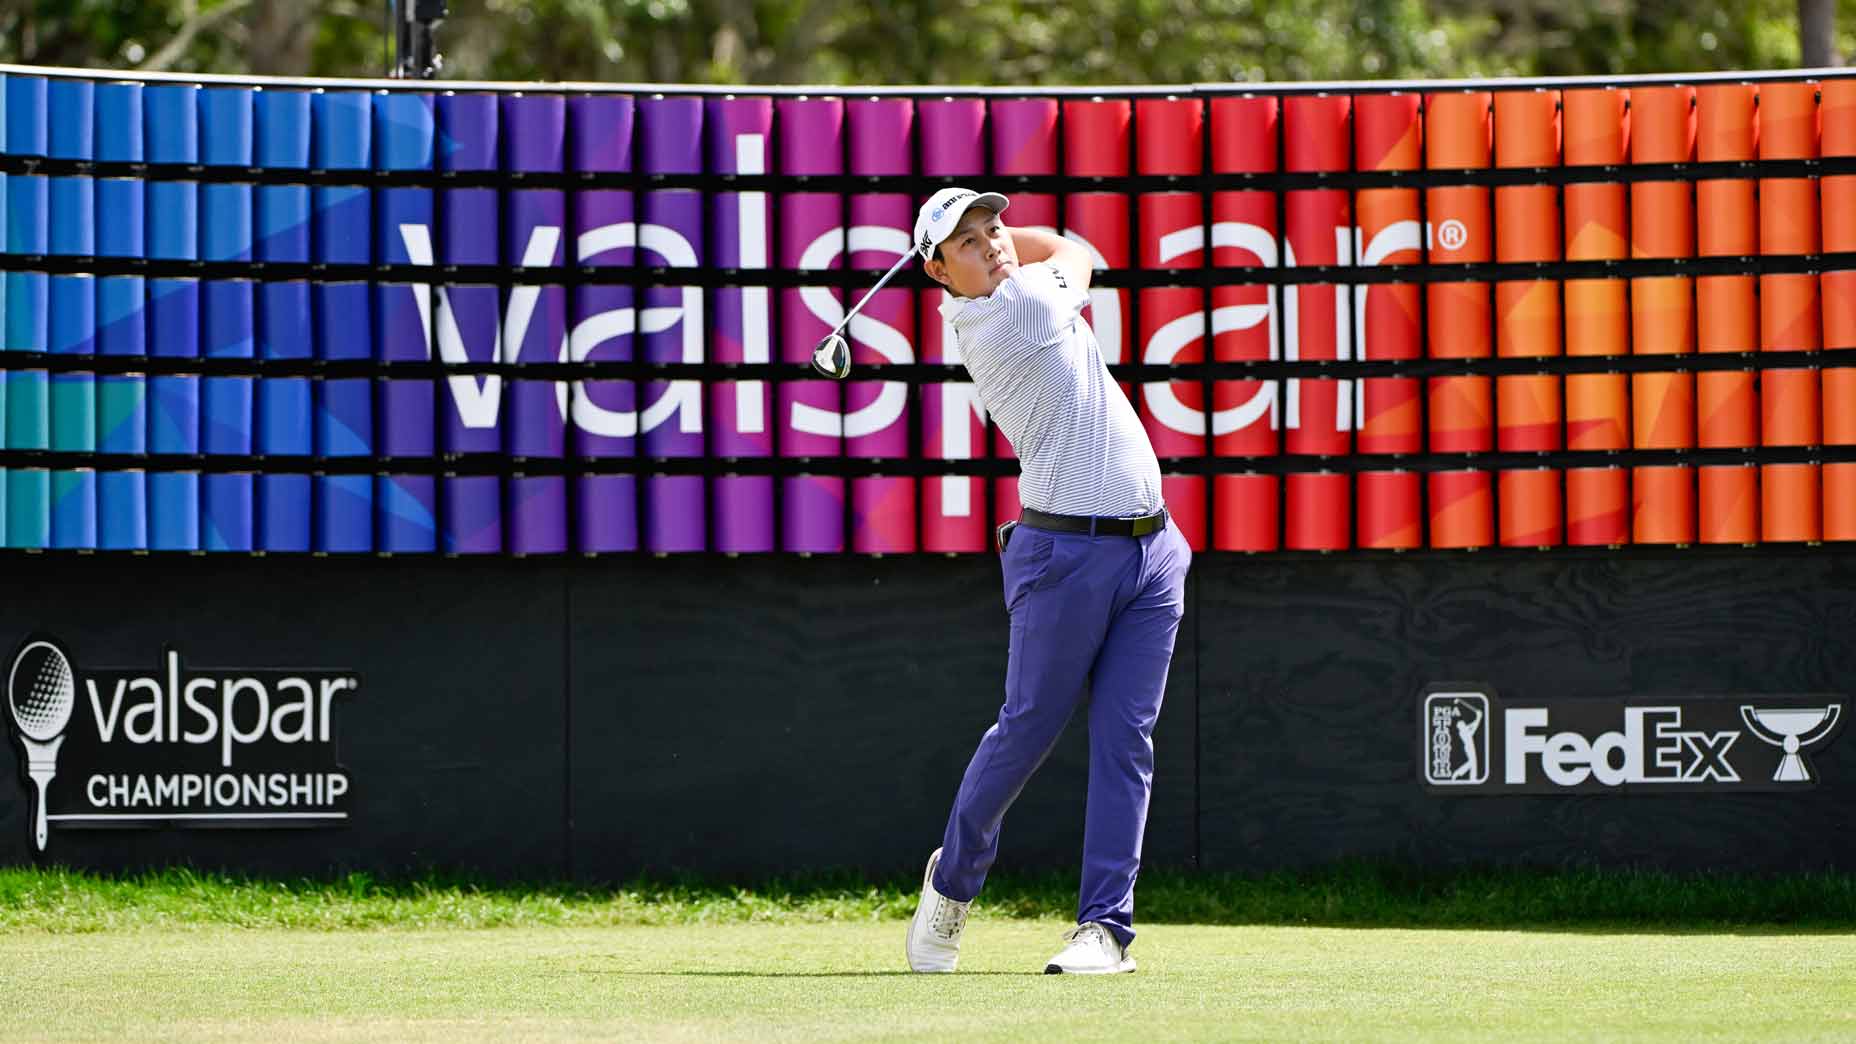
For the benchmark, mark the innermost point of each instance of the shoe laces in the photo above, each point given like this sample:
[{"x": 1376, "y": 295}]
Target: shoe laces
[
  {"x": 949, "y": 918},
  {"x": 1094, "y": 932}
]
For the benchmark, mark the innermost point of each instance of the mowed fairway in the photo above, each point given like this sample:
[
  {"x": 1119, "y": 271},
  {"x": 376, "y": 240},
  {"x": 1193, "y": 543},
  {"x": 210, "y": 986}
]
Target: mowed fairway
[{"x": 812, "y": 981}]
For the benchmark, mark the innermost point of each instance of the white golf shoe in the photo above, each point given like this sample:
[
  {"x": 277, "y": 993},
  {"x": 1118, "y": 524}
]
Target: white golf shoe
[
  {"x": 934, "y": 934},
  {"x": 1091, "y": 950}
]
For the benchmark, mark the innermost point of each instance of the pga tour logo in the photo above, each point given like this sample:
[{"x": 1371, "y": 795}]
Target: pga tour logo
[
  {"x": 1471, "y": 743},
  {"x": 126, "y": 746}
]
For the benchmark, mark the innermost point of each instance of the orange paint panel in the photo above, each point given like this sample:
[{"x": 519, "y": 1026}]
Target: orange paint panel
[
  {"x": 1839, "y": 410},
  {"x": 1389, "y": 325},
  {"x": 1789, "y": 313},
  {"x": 1527, "y": 223},
  {"x": 1729, "y": 504},
  {"x": 1663, "y": 505},
  {"x": 1838, "y": 104},
  {"x": 1458, "y": 325},
  {"x": 1662, "y": 124},
  {"x": 1528, "y": 508},
  {"x": 1462, "y": 509},
  {"x": 1726, "y": 218},
  {"x": 1456, "y": 130},
  {"x": 1246, "y": 512},
  {"x": 1789, "y": 401},
  {"x": 1389, "y": 506},
  {"x": 1726, "y": 410},
  {"x": 1788, "y": 221},
  {"x": 1662, "y": 315},
  {"x": 1527, "y": 413},
  {"x": 1597, "y": 126},
  {"x": 1662, "y": 219},
  {"x": 1663, "y": 410},
  {"x": 1839, "y": 299},
  {"x": 1597, "y": 226},
  {"x": 1597, "y": 317},
  {"x": 1387, "y": 132},
  {"x": 1597, "y": 411},
  {"x": 1529, "y": 324},
  {"x": 1788, "y": 120},
  {"x": 1459, "y": 414},
  {"x": 1725, "y": 128},
  {"x": 1391, "y": 416},
  {"x": 1726, "y": 313},
  {"x": 1790, "y": 503},
  {"x": 1460, "y": 227},
  {"x": 1839, "y": 495},
  {"x": 1837, "y": 193},
  {"x": 1527, "y": 128},
  {"x": 1316, "y": 511},
  {"x": 1597, "y": 507}
]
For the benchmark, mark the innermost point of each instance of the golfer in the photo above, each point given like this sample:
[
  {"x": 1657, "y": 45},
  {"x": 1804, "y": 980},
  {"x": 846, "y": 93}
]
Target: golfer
[{"x": 1094, "y": 573}]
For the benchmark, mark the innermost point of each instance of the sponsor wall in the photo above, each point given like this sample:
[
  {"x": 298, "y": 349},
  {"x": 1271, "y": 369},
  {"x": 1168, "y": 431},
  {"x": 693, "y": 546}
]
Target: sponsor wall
[
  {"x": 344, "y": 318},
  {"x": 443, "y": 340}
]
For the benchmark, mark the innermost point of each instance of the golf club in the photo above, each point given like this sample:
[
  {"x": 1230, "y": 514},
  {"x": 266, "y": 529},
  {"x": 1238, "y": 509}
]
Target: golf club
[{"x": 832, "y": 355}]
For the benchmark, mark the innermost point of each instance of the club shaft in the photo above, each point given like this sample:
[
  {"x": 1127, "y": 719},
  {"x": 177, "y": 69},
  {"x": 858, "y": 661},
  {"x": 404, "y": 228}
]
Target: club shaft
[{"x": 893, "y": 269}]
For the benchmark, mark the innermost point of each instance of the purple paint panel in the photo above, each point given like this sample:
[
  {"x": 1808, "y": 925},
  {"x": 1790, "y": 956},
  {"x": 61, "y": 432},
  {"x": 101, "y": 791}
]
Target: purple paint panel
[
  {"x": 811, "y": 136},
  {"x": 883, "y": 515},
  {"x": 606, "y": 513},
  {"x": 604, "y": 417},
  {"x": 472, "y": 509},
  {"x": 537, "y": 513},
  {"x": 1024, "y": 136},
  {"x": 404, "y": 408},
  {"x": 670, "y": 135},
  {"x": 468, "y": 226},
  {"x": 535, "y": 325},
  {"x": 740, "y": 317},
  {"x": 743, "y": 513},
  {"x": 876, "y": 413},
  {"x": 534, "y": 132},
  {"x": 673, "y": 514},
  {"x": 812, "y": 514},
  {"x": 811, "y": 237},
  {"x": 882, "y": 133},
  {"x": 537, "y": 413},
  {"x": 466, "y": 326},
  {"x": 672, "y": 236},
  {"x": 953, "y": 136},
  {"x": 602, "y": 137},
  {"x": 402, "y": 321},
  {"x": 467, "y": 131}
]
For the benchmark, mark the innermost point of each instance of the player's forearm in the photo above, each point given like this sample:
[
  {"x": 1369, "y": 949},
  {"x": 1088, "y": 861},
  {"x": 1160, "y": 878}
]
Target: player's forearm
[{"x": 1035, "y": 245}]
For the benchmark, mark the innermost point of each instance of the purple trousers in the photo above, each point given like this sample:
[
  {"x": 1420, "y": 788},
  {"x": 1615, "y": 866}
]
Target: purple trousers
[{"x": 1099, "y": 612}]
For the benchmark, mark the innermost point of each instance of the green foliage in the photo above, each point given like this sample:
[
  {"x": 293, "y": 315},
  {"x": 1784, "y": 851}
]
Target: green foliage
[{"x": 1024, "y": 42}]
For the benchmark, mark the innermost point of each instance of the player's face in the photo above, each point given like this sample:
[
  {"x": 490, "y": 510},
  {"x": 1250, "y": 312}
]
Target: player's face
[{"x": 976, "y": 257}]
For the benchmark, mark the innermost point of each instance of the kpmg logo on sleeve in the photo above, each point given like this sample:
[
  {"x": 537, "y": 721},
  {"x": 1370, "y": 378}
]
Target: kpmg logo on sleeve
[
  {"x": 174, "y": 745},
  {"x": 1471, "y": 742}
]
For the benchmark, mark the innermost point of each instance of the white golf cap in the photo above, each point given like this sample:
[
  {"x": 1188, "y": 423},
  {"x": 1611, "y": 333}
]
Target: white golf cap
[{"x": 937, "y": 218}]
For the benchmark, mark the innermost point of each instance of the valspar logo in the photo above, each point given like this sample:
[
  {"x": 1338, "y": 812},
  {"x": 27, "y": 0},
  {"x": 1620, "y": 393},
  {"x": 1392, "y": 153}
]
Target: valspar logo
[
  {"x": 1472, "y": 743},
  {"x": 174, "y": 744}
]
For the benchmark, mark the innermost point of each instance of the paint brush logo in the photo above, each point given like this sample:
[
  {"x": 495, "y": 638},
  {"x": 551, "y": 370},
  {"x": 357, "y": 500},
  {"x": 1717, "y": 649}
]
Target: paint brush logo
[{"x": 41, "y": 691}]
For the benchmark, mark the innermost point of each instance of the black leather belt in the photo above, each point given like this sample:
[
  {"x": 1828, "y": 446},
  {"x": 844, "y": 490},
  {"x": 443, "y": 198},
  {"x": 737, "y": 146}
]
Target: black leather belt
[{"x": 1095, "y": 524}]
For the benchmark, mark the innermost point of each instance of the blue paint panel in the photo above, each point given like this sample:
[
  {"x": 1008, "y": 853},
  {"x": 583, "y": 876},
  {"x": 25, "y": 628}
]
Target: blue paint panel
[
  {"x": 119, "y": 122},
  {"x": 283, "y": 513},
  {"x": 344, "y": 513},
  {"x": 122, "y": 316},
  {"x": 283, "y": 413},
  {"x": 174, "y": 415},
  {"x": 174, "y": 318},
  {"x": 174, "y": 511},
  {"x": 28, "y": 508},
  {"x": 71, "y": 125},
  {"x": 122, "y": 413},
  {"x": 284, "y": 330},
  {"x": 226, "y": 514},
  {"x": 122, "y": 511},
  {"x": 407, "y": 508},
  {"x": 344, "y": 417},
  {"x": 225, "y": 424},
  {"x": 74, "y": 509}
]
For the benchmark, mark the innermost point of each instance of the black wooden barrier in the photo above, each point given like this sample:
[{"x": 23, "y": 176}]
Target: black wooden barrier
[{"x": 596, "y": 719}]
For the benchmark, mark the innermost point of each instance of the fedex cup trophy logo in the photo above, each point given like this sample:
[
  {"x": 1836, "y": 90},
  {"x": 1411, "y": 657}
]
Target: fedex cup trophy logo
[
  {"x": 1791, "y": 729},
  {"x": 41, "y": 692}
]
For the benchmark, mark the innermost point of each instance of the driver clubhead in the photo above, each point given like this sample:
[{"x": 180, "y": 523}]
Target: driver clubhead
[{"x": 832, "y": 357}]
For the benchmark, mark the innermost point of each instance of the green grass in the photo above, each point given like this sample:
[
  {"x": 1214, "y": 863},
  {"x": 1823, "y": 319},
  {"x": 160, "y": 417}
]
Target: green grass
[
  {"x": 1360, "y": 953},
  {"x": 54, "y": 900},
  {"x": 821, "y": 982}
]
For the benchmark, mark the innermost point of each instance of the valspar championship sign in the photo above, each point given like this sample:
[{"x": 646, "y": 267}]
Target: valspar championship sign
[
  {"x": 1471, "y": 742},
  {"x": 174, "y": 744}
]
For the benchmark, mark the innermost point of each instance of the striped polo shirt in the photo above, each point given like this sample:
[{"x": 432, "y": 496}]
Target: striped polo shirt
[{"x": 1040, "y": 375}]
